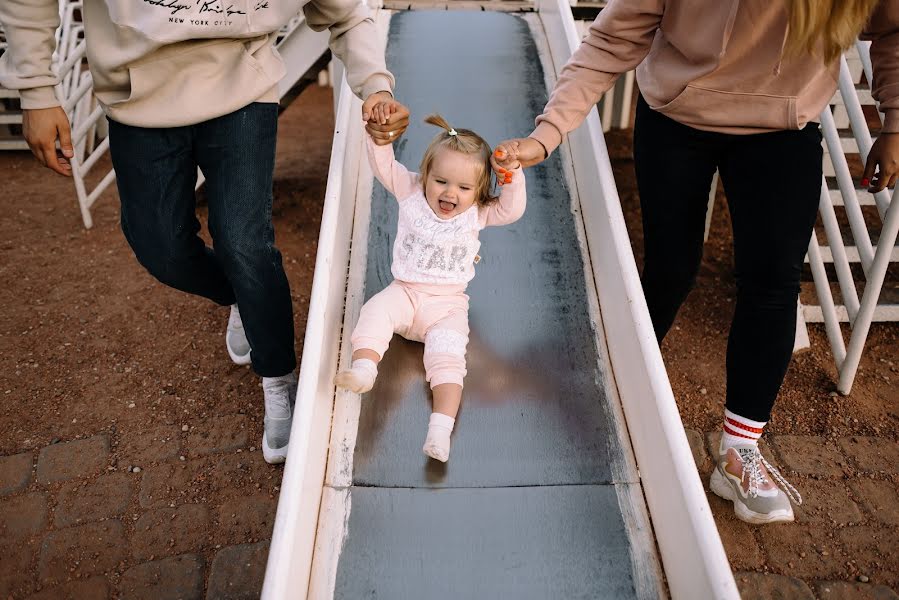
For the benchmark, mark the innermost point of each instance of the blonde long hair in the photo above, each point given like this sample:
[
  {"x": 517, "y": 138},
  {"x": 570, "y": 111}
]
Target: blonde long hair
[
  {"x": 465, "y": 141},
  {"x": 834, "y": 24}
]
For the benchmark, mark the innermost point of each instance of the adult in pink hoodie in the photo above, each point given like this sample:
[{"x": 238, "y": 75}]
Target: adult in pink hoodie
[{"x": 729, "y": 85}]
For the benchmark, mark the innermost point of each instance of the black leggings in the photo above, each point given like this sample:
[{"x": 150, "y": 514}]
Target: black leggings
[{"x": 773, "y": 184}]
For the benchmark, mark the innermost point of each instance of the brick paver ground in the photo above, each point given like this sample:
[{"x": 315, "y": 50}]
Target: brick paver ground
[
  {"x": 845, "y": 540},
  {"x": 91, "y": 536}
]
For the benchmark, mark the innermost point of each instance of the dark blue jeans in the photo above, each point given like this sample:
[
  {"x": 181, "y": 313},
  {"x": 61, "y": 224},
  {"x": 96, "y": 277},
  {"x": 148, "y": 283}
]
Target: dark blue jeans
[
  {"x": 773, "y": 184},
  {"x": 156, "y": 171}
]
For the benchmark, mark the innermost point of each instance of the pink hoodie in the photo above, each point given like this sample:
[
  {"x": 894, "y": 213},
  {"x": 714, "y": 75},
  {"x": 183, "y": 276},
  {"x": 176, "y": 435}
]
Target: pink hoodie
[{"x": 716, "y": 65}]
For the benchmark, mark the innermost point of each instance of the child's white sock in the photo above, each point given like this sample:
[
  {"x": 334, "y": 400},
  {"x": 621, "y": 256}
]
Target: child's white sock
[
  {"x": 437, "y": 444},
  {"x": 360, "y": 377},
  {"x": 740, "y": 431}
]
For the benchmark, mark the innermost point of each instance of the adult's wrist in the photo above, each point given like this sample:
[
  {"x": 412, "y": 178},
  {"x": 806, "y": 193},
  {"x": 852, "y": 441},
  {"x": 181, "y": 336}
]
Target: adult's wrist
[
  {"x": 375, "y": 84},
  {"x": 548, "y": 136}
]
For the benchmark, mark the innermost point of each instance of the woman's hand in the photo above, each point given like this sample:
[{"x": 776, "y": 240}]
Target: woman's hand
[
  {"x": 527, "y": 153},
  {"x": 386, "y": 118},
  {"x": 884, "y": 159}
]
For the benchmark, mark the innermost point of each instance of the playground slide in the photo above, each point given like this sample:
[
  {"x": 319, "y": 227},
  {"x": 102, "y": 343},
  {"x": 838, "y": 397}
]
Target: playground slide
[{"x": 570, "y": 474}]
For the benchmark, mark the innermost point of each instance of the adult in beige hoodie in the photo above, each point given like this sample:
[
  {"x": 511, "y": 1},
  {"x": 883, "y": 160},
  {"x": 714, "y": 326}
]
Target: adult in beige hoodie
[
  {"x": 187, "y": 84},
  {"x": 737, "y": 86}
]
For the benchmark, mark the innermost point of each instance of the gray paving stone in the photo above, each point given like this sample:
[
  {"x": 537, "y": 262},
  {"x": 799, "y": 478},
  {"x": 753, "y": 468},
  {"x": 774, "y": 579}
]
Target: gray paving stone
[
  {"x": 170, "y": 531},
  {"x": 79, "y": 551},
  {"x": 107, "y": 497},
  {"x": 797, "y": 550},
  {"x": 94, "y": 588},
  {"x": 765, "y": 586},
  {"x": 169, "y": 483},
  {"x": 869, "y": 453},
  {"x": 872, "y": 551},
  {"x": 843, "y": 590},
  {"x": 237, "y": 572},
  {"x": 700, "y": 455},
  {"x": 15, "y": 472},
  {"x": 78, "y": 458},
  {"x": 155, "y": 445},
  {"x": 218, "y": 434},
  {"x": 879, "y": 498},
  {"x": 22, "y": 517},
  {"x": 247, "y": 518},
  {"x": 17, "y": 569},
  {"x": 825, "y": 502},
  {"x": 808, "y": 455},
  {"x": 174, "y": 578}
]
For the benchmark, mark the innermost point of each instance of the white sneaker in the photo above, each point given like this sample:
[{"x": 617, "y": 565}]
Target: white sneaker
[
  {"x": 744, "y": 477},
  {"x": 280, "y": 395},
  {"x": 236, "y": 339}
]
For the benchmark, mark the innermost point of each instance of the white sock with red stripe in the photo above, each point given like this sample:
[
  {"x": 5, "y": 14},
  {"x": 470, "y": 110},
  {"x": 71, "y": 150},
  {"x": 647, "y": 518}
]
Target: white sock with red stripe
[{"x": 740, "y": 431}]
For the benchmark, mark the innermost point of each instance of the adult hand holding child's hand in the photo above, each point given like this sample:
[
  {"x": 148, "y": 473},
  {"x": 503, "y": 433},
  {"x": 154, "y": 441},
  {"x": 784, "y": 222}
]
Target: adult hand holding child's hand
[
  {"x": 504, "y": 159},
  {"x": 386, "y": 118},
  {"x": 514, "y": 153}
]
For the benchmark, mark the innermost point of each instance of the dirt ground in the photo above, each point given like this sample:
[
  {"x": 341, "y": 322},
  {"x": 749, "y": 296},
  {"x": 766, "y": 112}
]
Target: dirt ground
[{"x": 97, "y": 351}]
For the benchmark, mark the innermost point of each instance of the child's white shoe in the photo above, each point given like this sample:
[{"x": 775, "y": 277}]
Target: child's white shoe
[
  {"x": 437, "y": 444},
  {"x": 358, "y": 378}
]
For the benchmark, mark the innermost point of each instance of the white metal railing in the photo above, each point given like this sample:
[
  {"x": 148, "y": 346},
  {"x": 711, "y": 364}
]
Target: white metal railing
[
  {"x": 846, "y": 131},
  {"x": 299, "y": 46}
]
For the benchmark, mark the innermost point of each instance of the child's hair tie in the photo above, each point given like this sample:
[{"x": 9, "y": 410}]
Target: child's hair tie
[{"x": 453, "y": 132}]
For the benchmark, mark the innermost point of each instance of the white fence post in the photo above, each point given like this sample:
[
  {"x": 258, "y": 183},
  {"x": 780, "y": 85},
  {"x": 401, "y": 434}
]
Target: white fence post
[{"x": 845, "y": 129}]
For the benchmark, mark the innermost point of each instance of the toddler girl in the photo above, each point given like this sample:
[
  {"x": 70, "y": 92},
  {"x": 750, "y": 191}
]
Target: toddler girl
[{"x": 441, "y": 212}]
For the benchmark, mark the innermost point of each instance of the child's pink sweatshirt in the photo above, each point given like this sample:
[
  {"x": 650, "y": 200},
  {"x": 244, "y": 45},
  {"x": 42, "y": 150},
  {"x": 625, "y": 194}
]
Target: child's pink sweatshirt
[{"x": 434, "y": 251}]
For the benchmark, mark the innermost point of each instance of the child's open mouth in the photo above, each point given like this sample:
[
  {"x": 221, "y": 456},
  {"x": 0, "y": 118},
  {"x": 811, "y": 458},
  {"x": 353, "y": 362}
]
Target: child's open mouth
[{"x": 446, "y": 207}]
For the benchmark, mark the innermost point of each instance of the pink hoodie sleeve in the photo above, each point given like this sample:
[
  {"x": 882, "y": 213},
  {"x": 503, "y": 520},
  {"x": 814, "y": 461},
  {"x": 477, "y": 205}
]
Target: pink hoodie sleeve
[
  {"x": 883, "y": 31},
  {"x": 618, "y": 40},
  {"x": 392, "y": 175},
  {"x": 510, "y": 205}
]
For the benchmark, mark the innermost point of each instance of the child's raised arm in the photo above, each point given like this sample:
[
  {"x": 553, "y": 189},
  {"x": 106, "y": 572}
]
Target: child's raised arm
[
  {"x": 392, "y": 175},
  {"x": 511, "y": 203}
]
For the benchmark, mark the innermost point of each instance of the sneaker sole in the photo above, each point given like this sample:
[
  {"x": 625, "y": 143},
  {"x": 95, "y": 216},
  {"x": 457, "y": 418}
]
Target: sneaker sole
[
  {"x": 273, "y": 456},
  {"x": 722, "y": 488}
]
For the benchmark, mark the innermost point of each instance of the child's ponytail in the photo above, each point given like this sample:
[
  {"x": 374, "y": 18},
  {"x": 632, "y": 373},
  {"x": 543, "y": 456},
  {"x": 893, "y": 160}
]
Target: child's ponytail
[{"x": 439, "y": 121}]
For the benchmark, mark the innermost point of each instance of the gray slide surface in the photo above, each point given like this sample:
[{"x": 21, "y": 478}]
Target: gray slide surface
[{"x": 527, "y": 505}]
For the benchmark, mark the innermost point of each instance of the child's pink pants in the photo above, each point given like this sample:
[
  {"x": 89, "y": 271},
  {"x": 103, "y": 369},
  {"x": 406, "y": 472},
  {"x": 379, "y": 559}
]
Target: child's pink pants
[{"x": 438, "y": 320}]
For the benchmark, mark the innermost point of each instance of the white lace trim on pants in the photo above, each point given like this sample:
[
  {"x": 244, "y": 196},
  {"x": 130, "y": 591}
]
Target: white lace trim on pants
[{"x": 445, "y": 341}]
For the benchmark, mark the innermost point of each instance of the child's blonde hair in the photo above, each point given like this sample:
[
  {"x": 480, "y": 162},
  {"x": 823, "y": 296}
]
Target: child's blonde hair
[
  {"x": 834, "y": 24},
  {"x": 466, "y": 142}
]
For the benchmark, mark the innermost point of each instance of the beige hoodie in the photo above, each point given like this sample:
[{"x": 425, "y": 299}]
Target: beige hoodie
[
  {"x": 166, "y": 63},
  {"x": 716, "y": 65}
]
